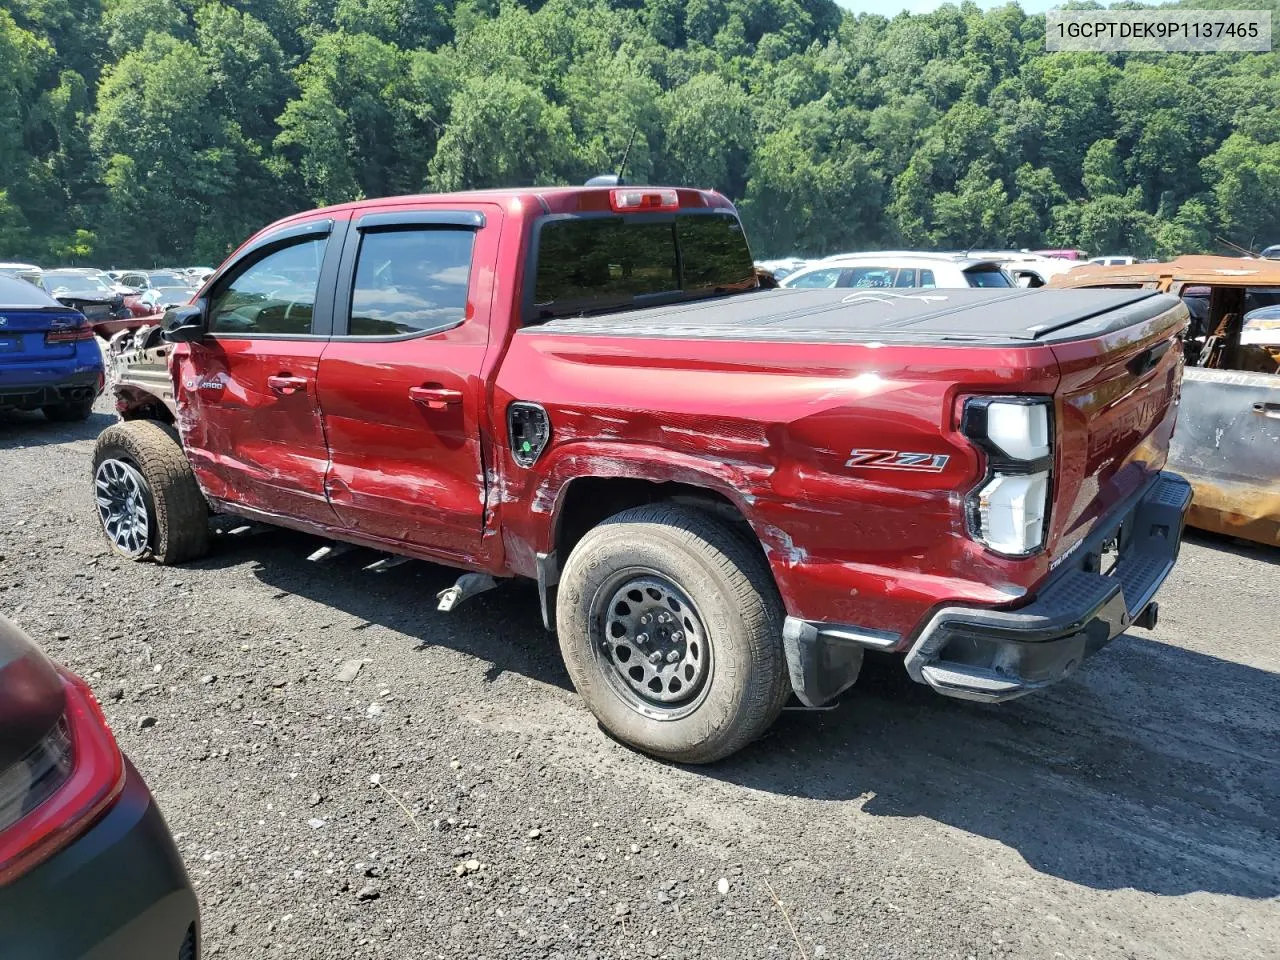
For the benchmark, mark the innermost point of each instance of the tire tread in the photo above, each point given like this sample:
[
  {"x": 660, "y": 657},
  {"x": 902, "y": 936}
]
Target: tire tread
[
  {"x": 182, "y": 515},
  {"x": 739, "y": 565}
]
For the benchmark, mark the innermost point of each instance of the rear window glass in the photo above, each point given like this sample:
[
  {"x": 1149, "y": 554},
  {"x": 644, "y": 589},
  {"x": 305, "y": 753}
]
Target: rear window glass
[
  {"x": 990, "y": 276},
  {"x": 19, "y": 293},
  {"x": 597, "y": 264}
]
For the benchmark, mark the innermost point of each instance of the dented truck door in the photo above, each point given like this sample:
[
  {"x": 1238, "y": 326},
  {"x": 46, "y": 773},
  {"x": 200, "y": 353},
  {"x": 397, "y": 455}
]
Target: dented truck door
[
  {"x": 400, "y": 385},
  {"x": 247, "y": 405}
]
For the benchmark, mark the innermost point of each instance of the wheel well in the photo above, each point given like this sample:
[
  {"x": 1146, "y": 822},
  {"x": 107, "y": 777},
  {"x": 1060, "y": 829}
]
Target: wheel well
[
  {"x": 135, "y": 404},
  {"x": 589, "y": 500}
]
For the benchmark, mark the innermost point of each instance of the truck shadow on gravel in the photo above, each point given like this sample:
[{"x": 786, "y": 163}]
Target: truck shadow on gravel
[
  {"x": 502, "y": 626},
  {"x": 19, "y": 428},
  {"x": 1155, "y": 768}
]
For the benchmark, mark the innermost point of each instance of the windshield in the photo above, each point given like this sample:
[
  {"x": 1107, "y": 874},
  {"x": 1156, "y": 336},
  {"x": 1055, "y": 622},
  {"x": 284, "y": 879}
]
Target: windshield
[
  {"x": 600, "y": 264},
  {"x": 166, "y": 280}
]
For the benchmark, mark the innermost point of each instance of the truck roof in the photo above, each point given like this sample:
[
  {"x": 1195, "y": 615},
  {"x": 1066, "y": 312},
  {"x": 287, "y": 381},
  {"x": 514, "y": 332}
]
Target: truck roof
[
  {"x": 990, "y": 316},
  {"x": 553, "y": 199}
]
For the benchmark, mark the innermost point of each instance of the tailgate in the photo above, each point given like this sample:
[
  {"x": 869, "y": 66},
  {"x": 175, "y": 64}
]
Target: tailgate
[{"x": 1116, "y": 407}]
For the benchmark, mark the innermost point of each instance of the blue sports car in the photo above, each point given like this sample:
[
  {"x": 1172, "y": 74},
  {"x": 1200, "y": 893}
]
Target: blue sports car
[{"x": 49, "y": 358}]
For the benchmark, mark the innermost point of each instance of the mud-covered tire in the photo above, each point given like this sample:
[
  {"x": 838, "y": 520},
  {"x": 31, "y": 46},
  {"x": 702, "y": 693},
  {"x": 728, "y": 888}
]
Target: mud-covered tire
[
  {"x": 72, "y": 411},
  {"x": 737, "y": 609},
  {"x": 178, "y": 514}
]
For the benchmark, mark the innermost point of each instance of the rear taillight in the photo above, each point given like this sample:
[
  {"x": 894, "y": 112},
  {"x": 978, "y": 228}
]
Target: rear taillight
[
  {"x": 1008, "y": 512},
  {"x": 58, "y": 789},
  {"x": 643, "y": 200},
  {"x": 81, "y": 331}
]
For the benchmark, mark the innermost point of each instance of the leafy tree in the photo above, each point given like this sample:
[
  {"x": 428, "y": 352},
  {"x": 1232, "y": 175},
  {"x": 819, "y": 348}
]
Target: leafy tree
[
  {"x": 1102, "y": 172},
  {"x": 502, "y": 131},
  {"x": 1246, "y": 187},
  {"x": 168, "y": 160},
  {"x": 154, "y": 129},
  {"x": 707, "y": 132}
]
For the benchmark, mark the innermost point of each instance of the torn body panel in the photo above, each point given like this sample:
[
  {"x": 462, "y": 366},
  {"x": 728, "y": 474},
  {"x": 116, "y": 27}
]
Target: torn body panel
[{"x": 1228, "y": 446}]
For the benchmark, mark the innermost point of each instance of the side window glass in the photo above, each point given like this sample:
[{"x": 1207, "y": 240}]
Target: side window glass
[
  {"x": 410, "y": 281},
  {"x": 906, "y": 278},
  {"x": 819, "y": 278},
  {"x": 870, "y": 277},
  {"x": 926, "y": 279},
  {"x": 277, "y": 294}
]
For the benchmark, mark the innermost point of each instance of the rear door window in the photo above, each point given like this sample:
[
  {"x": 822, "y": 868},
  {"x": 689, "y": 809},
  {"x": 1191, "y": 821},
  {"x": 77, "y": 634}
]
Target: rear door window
[
  {"x": 926, "y": 279},
  {"x": 274, "y": 295},
  {"x": 410, "y": 281}
]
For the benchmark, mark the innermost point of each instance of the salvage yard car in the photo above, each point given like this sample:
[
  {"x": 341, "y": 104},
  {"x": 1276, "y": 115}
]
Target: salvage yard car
[
  {"x": 725, "y": 494},
  {"x": 97, "y": 298},
  {"x": 49, "y": 359},
  {"x": 88, "y": 868},
  {"x": 1228, "y": 439},
  {"x": 891, "y": 268}
]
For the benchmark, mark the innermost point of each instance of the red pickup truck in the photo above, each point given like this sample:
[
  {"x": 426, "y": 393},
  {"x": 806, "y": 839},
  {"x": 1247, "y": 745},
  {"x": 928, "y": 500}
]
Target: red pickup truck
[{"x": 726, "y": 494}]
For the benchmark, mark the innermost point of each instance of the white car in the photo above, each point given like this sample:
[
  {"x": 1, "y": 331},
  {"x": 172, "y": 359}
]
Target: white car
[
  {"x": 901, "y": 268},
  {"x": 1027, "y": 269},
  {"x": 1112, "y": 261}
]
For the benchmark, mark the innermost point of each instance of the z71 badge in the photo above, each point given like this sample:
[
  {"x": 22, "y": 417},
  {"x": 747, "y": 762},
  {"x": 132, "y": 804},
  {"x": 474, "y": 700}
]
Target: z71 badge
[{"x": 897, "y": 460}]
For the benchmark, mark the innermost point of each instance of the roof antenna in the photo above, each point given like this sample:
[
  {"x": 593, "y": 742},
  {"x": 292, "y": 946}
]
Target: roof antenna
[
  {"x": 622, "y": 164},
  {"x": 615, "y": 179}
]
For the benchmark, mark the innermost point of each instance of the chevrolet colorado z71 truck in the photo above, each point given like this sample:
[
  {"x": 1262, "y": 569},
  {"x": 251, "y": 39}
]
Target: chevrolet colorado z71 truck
[{"x": 725, "y": 494}]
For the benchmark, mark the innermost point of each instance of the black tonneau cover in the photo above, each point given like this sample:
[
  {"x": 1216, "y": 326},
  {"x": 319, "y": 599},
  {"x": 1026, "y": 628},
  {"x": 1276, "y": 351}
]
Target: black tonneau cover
[{"x": 988, "y": 316}]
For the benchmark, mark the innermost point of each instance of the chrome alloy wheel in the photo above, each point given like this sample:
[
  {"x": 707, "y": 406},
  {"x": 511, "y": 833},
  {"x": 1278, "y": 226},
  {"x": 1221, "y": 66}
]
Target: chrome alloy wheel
[
  {"x": 122, "y": 506},
  {"x": 653, "y": 646}
]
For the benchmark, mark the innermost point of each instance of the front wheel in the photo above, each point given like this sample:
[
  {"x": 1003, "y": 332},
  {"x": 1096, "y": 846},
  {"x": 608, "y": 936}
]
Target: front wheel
[
  {"x": 147, "y": 497},
  {"x": 671, "y": 628}
]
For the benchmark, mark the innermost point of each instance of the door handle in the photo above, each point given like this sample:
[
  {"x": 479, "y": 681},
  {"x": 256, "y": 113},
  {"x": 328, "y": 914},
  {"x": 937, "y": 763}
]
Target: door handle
[
  {"x": 1267, "y": 409},
  {"x": 286, "y": 383},
  {"x": 435, "y": 398}
]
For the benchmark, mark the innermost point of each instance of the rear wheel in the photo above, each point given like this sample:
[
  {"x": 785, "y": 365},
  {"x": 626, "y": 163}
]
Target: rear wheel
[
  {"x": 147, "y": 497},
  {"x": 71, "y": 411},
  {"x": 671, "y": 628}
]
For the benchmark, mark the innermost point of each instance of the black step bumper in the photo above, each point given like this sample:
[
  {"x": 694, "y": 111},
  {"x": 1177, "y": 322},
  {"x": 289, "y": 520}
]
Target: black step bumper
[{"x": 993, "y": 655}]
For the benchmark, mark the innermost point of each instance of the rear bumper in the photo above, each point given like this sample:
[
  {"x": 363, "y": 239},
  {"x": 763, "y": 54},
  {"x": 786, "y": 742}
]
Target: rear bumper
[
  {"x": 995, "y": 655},
  {"x": 29, "y": 392},
  {"x": 119, "y": 892}
]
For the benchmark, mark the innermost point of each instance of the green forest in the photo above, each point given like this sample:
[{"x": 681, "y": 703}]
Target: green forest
[{"x": 144, "y": 132}]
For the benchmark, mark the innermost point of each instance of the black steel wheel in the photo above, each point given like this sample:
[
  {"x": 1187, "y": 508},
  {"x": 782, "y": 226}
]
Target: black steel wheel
[{"x": 671, "y": 627}]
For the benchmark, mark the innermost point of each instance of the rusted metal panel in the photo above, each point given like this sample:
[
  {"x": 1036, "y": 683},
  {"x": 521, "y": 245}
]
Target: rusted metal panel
[
  {"x": 1215, "y": 271},
  {"x": 1228, "y": 445}
]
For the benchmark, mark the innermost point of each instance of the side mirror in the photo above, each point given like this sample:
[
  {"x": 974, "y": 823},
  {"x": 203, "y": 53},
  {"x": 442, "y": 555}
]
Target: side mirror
[{"x": 183, "y": 324}]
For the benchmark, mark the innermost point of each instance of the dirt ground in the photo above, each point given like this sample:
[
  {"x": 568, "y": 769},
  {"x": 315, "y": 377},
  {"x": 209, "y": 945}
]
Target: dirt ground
[{"x": 456, "y": 799}]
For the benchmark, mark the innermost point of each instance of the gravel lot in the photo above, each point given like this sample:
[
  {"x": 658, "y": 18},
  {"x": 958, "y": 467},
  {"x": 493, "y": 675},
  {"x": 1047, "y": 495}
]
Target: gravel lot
[{"x": 456, "y": 799}]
